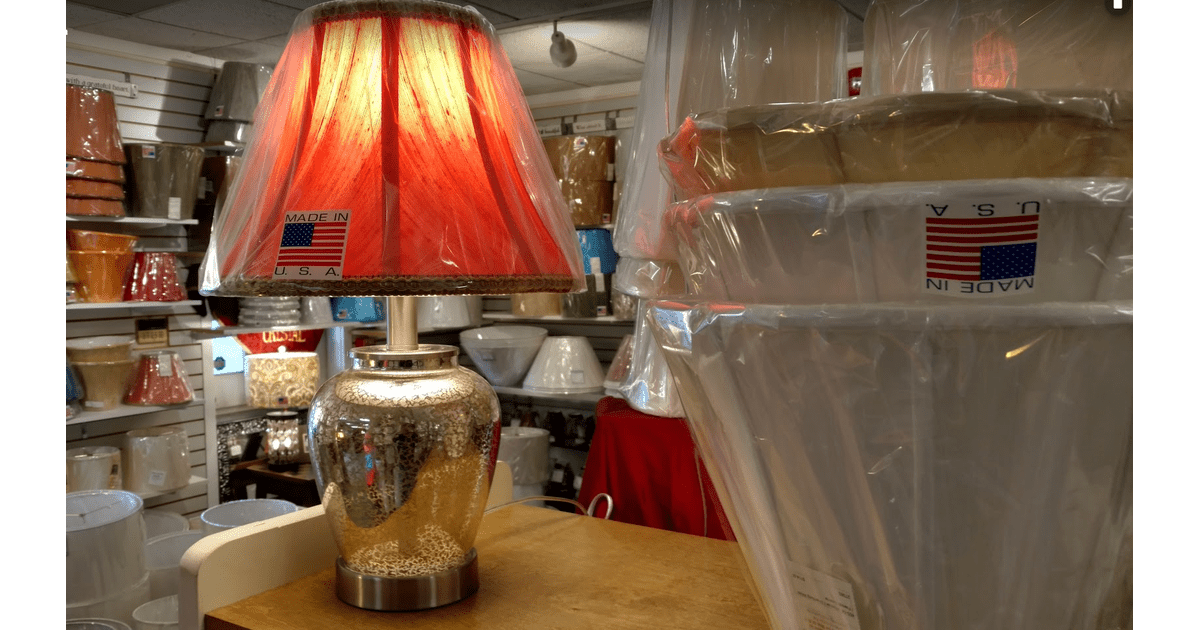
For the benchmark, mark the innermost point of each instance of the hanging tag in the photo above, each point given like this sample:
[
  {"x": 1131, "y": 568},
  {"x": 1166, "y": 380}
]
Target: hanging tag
[
  {"x": 149, "y": 151},
  {"x": 174, "y": 208},
  {"x": 165, "y": 368}
]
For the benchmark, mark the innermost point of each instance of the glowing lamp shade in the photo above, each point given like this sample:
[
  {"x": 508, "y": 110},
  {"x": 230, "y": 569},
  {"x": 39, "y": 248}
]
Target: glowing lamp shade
[{"x": 393, "y": 154}]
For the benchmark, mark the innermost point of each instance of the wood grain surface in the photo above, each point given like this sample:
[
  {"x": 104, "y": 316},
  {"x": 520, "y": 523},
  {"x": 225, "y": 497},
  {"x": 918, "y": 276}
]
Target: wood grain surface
[{"x": 540, "y": 568}]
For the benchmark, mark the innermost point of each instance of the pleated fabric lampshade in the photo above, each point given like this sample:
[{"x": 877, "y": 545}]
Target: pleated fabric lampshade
[{"x": 392, "y": 154}]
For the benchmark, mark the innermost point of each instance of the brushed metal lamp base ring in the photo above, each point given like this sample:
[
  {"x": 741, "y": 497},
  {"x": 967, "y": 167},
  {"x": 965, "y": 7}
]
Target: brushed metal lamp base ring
[{"x": 418, "y": 592}]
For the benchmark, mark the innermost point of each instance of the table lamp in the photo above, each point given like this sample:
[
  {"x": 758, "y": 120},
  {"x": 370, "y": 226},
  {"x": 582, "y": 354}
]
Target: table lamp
[{"x": 393, "y": 155}]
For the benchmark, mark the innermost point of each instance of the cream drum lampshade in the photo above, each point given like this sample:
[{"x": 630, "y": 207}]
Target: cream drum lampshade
[
  {"x": 283, "y": 379},
  {"x": 156, "y": 459}
]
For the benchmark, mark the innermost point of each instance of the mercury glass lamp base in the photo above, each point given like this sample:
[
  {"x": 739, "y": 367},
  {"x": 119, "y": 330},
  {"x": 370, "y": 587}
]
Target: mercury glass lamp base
[{"x": 418, "y": 592}]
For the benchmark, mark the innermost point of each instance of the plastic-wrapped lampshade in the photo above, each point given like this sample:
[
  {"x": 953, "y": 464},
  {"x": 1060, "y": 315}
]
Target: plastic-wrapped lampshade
[
  {"x": 392, "y": 154},
  {"x": 708, "y": 55},
  {"x": 920, "y": 46}
]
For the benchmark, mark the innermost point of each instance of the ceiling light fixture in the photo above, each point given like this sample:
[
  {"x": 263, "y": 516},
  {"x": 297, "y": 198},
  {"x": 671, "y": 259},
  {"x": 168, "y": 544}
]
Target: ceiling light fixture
[{"x": 562, "y": 50}]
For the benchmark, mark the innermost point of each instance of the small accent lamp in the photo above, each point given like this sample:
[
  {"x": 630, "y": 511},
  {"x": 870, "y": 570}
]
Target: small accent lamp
[{"x": 393, "y": 155}]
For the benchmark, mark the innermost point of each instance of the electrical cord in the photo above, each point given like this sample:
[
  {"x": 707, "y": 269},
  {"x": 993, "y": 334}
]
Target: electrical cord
[{"x": 589, "y": 510}]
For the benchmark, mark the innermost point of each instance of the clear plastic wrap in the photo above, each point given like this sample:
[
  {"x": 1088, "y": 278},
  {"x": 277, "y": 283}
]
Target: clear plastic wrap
[
  {"x": 991, "y": 134},
  {"x": 164, "y": 179},
  {"x": 1000, "y": 241},
  {"x": 156, "y": 459},
  {"x": 154, "y": 277},
  {"x": 236, "y": 92},
  {"x": 926, "y": 45},
  {"x": 646, "y": 382},
  {"x": 707, "y": 55},
  {"x": 401, "y": 125},
  {"x": 92, "y": 129},
  {"x": 649, "y": 278},
  {"x": 950, "y": 467},
  {"x": 160, "y": 379}
]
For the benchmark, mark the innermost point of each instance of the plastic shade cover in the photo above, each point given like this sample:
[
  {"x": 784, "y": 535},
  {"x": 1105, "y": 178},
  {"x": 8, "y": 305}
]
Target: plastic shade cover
[
  {"x": 238, "y": 89},
  {"x": 392, "y": 154},
  {"x": 154, "y": 278},
  {"x": 647, "y": 384},
  {"x": 92, "y": 130},
  {"x": 160, "y": 379},
  {"x": 927, "y": 45},
  {"x": 1042, "y": 240},
  {"x": 94, "y": 468},
  {"x": 906, "y": 451},
  {"x": 164, "y": 179},
  {"x": 526, "y": 450},
  {"x": 156, "y": 459},
  {"x": 911, "y": 137},
  {"x": 708, "y": 55},
  {"x": 105, "y": 535}
]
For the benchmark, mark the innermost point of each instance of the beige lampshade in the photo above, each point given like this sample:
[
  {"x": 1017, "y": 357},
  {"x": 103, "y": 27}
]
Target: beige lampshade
[{"x": 283, "y": 379}]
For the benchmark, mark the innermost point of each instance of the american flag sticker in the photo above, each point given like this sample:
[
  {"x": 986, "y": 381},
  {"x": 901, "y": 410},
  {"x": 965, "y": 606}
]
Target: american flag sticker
[
  {"x": 313, "y": 245},
  {"x": 982, "y": 249}
]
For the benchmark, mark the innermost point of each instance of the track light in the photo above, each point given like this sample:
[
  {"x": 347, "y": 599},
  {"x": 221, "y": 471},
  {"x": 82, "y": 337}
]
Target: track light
[{"x": 562, "y": 50}]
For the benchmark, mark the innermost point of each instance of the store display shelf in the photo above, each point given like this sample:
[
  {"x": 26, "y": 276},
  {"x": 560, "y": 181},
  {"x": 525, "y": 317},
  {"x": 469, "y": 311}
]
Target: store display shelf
[
  {"x": 137, "y": 306},
  {"x": 509, "y": 318},
  {"x": 238, "y": 413},
  {"x": 192, "y": 483},
  {"x": 227, "y": 331},
  {"x": 138, "y": 221},
  {"x": 122, "y": 411},
  {"x": 586, "y": 401}
]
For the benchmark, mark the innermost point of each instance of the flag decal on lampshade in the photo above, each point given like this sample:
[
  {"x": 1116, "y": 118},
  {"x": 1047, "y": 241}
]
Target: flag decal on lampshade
[{"x": 313, "y": 245}]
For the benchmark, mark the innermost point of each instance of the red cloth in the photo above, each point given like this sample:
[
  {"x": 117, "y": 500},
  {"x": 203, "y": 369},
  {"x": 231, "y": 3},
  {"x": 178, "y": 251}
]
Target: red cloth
[{"x": 649, "y": 465}]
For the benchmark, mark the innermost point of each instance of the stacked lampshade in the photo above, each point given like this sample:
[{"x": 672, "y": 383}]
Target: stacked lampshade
[
  {"x": 269, "y": 311},
  {"x": 105, "y": 564},
  {"x": 884, "y": 299},
  {"x": 164, "y": 179},
  {"x": 234, "y": 97},
  {"x": 107, "y": 269},
  {"x": 584, "y": 168},
  {"x": 95, "y": 177},
  {"x": 104, "y": 367}
]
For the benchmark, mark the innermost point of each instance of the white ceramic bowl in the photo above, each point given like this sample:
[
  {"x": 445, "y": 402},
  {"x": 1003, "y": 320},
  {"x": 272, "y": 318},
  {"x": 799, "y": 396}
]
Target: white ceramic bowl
[
  {"x": 105, "y": 535},
  {"x": 163, "y": 554},
  {"x": 503, "y": 353},
  {"x": 219, "y": 518},
  {"x": 565, "y": 365}
]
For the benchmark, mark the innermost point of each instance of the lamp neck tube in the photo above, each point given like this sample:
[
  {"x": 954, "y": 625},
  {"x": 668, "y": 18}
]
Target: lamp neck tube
[{"x": 402, "y": 323}]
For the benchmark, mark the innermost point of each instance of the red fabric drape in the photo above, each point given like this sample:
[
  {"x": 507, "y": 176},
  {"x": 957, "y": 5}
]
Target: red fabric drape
[{"x": 650, "y": 467}]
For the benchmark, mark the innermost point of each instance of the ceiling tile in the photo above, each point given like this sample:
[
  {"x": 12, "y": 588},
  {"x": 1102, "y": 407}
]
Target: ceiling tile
[
  {"x": 124, "y": 7},
  {"x": 154, "y": 34},
  {"x": 494, "y": 17},
  {"x": 241, "y": 19},
  {"x": 79, "y": 15},
  {"x": 625, "y": 37},
  {"x": 252, "y": 52},
  {"x": 532, "y": 83}
]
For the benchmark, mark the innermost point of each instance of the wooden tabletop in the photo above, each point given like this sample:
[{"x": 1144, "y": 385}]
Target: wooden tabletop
[{"x": 541, "y": 568}]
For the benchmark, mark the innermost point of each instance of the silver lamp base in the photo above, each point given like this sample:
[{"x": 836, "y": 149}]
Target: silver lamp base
[{"x": 418, "y": 592}]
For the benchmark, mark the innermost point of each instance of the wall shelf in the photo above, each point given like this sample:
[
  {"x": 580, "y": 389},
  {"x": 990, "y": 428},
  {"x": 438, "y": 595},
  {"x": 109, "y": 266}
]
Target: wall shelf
[
  {"x": 135, "y": 221},
  {"x": 137, "y": 306},
  {"x": 229, "y": 331},
  {"x": 194, "y": 481},
  {"x": 122, "y": 411}
]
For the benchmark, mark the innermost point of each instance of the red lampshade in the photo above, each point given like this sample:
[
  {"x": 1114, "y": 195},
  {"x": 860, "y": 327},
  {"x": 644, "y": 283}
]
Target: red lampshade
[{"x": 393, "y": 154}]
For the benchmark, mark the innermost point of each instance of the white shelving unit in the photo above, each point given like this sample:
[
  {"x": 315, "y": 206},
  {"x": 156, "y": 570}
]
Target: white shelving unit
[
  {"x": 122, "y": 411},
  {"x": 139, "y": 307}
]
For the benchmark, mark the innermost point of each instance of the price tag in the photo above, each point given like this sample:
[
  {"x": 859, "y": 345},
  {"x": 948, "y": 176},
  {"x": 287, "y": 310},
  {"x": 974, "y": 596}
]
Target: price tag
[
  {"x": 546, "y": 130},
  {"x": 235, "y": 450},
  {"x": 824, "y": 602},
  {"x": 174, "y": 208},
  {"x": 70, "y": 167},
  {"x": 158, "y": 477},
  {"x": 577, "y": 377},
  {"x": 165, "y": 369},
  {"x": 149, "y": 151},
  {"x": 590, "y": 126}
]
